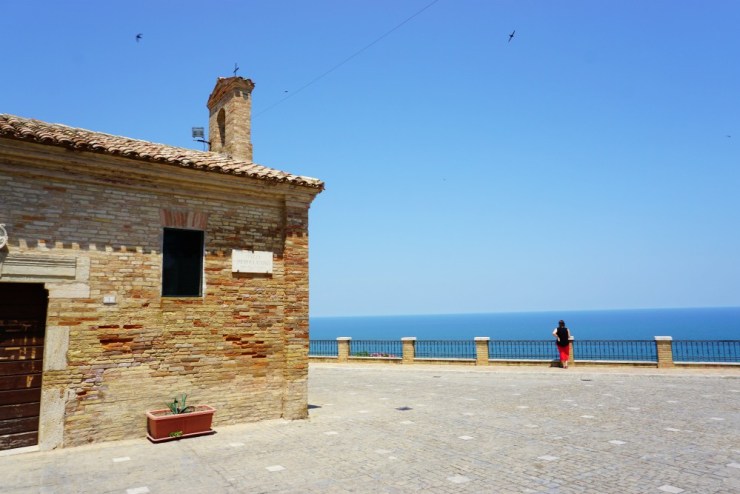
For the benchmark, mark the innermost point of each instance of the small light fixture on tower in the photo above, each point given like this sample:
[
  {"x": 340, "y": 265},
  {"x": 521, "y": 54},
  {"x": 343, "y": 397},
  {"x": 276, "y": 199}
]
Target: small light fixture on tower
[{"x": 199, "y": 136}]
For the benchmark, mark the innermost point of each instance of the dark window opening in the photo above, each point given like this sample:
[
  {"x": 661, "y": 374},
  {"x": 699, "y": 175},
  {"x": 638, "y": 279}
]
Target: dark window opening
[
  {"x": 182, "y": 263},
  {"x": 221, "y": 120}
]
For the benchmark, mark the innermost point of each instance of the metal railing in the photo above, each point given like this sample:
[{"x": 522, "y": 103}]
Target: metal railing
[
  {"x": 684, "y": 351},
  {"x": 459, "y": 349},
  {"x": 323, "y": 348},
  {"x": 625, "y": 350},
  {"x": 706, "y": 350},
  {"x": 522, "y": 350},
  {"x": 376, "y": 348}
]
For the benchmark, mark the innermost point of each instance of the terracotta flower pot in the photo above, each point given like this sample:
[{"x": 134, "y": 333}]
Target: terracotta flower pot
[{"x": 163, "y": 425}]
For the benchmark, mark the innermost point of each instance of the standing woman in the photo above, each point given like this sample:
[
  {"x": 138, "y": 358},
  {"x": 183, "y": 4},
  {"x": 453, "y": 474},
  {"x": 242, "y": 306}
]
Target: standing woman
[{"x": 562, "y": 336}]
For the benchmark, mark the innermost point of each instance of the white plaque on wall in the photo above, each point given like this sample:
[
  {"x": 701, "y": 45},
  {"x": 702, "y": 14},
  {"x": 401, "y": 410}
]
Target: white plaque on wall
[{"x": 249, "y": 261}]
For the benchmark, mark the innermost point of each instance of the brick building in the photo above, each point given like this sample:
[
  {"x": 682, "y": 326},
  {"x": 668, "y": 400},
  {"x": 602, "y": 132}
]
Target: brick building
[{"x": 131, "y": 271}]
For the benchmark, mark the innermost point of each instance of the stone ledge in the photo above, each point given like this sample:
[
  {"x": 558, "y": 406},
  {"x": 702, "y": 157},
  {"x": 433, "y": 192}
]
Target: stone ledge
[{"x": 38, "y": 267}]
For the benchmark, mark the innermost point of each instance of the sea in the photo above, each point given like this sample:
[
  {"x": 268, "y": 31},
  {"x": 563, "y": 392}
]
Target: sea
[{"x": 714, "y": 323}]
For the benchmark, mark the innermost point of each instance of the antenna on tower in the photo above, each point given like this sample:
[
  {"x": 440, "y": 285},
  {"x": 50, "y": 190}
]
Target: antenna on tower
[{"x": 199, "y": 136}]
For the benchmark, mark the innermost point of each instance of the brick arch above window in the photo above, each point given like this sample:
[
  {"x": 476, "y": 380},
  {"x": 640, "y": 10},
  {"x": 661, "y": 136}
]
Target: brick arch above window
[{"x": 191, "y": 220}]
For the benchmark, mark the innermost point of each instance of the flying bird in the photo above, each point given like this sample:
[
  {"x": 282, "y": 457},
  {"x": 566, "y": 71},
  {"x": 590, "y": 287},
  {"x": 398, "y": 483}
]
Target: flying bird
[
  {"x": 512, "y": 35},
  {"x": 138, "y": 37}
]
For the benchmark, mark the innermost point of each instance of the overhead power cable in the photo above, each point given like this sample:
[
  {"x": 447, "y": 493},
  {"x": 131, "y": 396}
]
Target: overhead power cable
[{"x": 355, "y": 54}]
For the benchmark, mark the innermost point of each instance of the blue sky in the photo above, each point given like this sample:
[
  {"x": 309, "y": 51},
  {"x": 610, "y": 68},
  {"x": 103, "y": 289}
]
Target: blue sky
[{"x": 593, "y": 162}]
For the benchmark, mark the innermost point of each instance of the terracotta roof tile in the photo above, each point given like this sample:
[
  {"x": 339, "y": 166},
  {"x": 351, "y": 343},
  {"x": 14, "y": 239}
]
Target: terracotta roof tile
[{"x": 26, "y": 129}]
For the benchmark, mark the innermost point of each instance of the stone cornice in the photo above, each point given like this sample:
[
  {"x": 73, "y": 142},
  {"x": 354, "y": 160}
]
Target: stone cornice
[
  {"x": 15, "y": 128},
  {"x": 17, "y": 157},
  {"x": 225, "y": 85}
]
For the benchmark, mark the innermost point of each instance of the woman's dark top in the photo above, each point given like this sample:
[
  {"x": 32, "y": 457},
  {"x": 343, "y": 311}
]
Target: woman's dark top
[{"x": 562, "y": 336}]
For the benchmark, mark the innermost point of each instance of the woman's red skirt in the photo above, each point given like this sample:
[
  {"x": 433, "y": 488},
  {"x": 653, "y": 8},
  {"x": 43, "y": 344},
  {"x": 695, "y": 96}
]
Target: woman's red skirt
[{"x": 564, "y": 352}]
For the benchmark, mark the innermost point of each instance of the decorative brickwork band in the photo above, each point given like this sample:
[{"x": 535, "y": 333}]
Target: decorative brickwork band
[
  {"x": 343, "y": 348},
  {"x": 664, "y": 350},
  {"x": 481, "y": 350},
  {"x": 409, "y": 349}
]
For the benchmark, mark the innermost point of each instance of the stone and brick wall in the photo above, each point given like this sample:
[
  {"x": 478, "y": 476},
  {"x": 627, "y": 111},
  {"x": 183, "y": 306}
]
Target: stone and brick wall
[{"x": 242, "y": 347}]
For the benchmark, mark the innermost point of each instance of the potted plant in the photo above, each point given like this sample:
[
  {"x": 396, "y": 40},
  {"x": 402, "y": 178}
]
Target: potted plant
[{"x": 179, "y": 420}]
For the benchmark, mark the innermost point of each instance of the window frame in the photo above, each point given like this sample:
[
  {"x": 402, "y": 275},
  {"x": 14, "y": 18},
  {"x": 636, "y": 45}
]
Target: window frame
[{"x": 183, "y": 289}]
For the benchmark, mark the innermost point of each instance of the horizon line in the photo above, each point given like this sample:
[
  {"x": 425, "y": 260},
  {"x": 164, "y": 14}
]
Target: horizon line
[{"x": 543, "y": 311}]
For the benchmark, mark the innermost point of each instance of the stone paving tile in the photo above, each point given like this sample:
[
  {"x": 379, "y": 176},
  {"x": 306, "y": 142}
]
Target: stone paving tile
[{"x": 390, "y": 429}]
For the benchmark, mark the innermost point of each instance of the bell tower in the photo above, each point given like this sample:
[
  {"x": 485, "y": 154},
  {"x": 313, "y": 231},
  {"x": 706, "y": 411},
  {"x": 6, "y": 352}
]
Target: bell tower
[{"x": 230, "y": 120}]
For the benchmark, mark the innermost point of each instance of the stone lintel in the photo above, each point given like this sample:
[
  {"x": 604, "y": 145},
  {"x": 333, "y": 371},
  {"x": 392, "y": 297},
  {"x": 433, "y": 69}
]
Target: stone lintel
[{"x": 38, "y": 267}]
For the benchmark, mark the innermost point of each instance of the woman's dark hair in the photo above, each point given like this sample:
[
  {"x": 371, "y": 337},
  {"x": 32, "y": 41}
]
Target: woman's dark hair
[{"x": 561, "y": 324}]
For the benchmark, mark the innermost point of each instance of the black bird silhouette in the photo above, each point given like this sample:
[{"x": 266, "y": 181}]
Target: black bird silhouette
[
  {"x": 138, "y": 37},
  {"x": 512, "y": 35}
]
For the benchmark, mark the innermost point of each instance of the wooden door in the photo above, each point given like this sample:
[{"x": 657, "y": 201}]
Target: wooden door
[{"x": 22, "y": 328}]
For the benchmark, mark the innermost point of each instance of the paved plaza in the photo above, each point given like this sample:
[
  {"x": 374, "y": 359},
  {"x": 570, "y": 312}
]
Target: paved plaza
[{"x": 439, "y": 429}]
